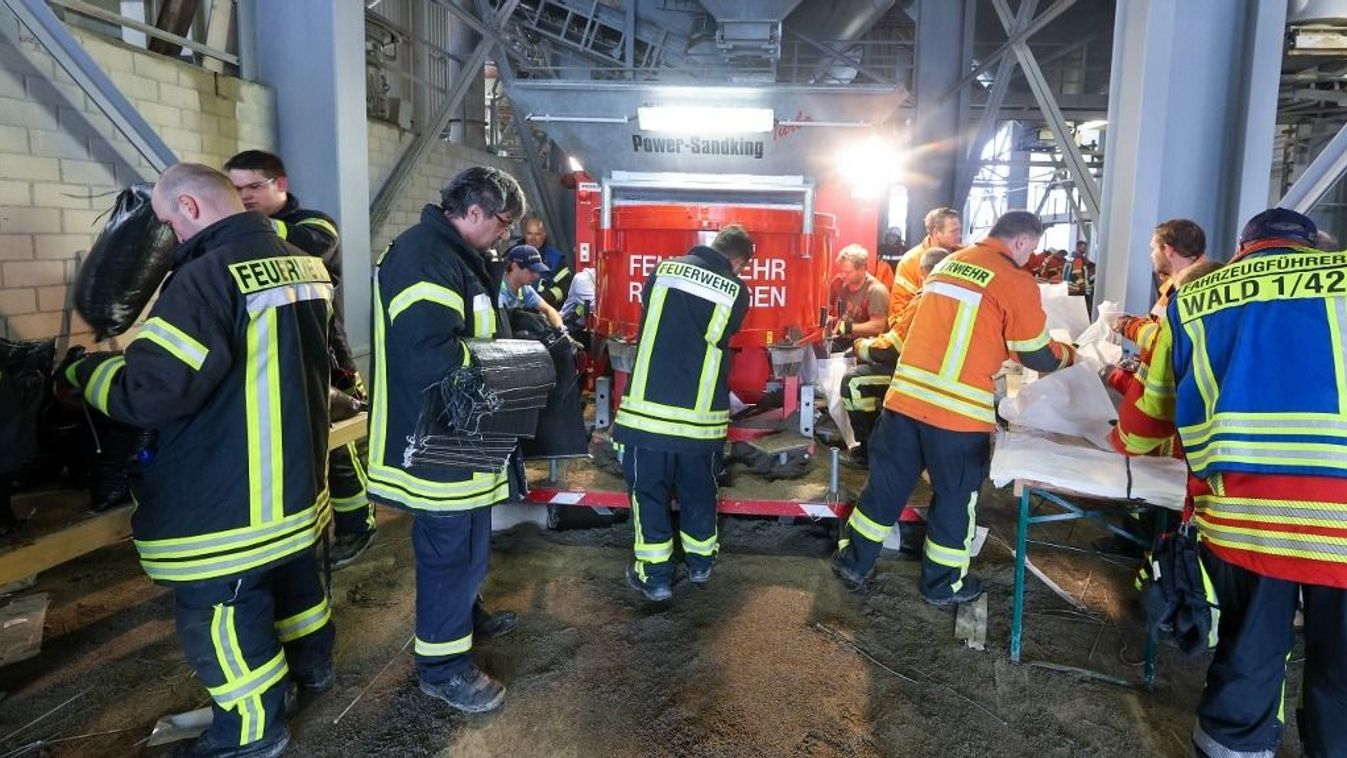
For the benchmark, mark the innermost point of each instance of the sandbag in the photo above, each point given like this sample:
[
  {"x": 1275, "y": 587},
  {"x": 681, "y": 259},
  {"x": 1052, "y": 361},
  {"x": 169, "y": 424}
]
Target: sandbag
[
  {"x": 831, "y": 370},
  {"x": 1072, "y": 401},
  {"x": 25, "y": 370},
  {"x": 128, "y": 262},
  {"x": 561, "y": 429}
]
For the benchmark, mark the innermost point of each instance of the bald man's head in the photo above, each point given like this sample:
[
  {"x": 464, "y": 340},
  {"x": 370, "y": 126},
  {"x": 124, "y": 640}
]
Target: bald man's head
[{"x": 190, "y": 197}]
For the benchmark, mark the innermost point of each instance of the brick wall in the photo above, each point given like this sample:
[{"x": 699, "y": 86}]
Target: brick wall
[
  {"x": 57, "y": 150},
  {"x": 442, "y": 162}
]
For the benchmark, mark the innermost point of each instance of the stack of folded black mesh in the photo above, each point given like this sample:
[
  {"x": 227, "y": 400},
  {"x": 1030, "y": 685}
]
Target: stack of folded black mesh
[{"x": 475, "y": 416}]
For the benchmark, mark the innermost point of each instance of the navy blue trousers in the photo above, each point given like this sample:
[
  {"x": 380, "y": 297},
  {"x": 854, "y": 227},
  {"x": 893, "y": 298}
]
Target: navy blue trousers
[
  {"x": 246, "y": 636},
  {"x": 654, "y": 479},
  {"x": 452, "y": 553},
  {"x": 1242, "y": 706},
  {"x": 900, "y": 448}
]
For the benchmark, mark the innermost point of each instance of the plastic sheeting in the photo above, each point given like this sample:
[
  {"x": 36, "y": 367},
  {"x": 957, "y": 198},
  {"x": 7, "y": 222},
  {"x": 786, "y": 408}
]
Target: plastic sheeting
[
  {"x": 830, "y": 371},
  {"x": 1072, "y": 401},
  {"x": 128, "y": 262},
  {"x": 1073, "y": 466},
  {"x": 1067, "y": 314}
]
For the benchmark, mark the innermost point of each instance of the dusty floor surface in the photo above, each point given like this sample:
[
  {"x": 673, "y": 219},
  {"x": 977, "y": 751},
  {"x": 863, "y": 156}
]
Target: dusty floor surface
[{"x": 771, "y": 658}]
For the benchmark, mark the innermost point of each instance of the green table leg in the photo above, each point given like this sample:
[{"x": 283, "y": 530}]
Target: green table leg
[{"x": 1021, "y": 555}]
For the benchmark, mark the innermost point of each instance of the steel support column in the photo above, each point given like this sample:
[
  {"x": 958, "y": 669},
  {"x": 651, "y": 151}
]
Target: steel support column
[
  {"x": 545, "y": 200},
  {"x": 309, "y": 54},
  {"x": 1066, "y": 139},
  {"x": 1017, "y": 178},
  {"x": 1191, "y": 122},
  {"x": 990, "y": 113},
  {"x": 940, "y": 59},
  {"x": 51, "y": 31},
  {"x": 1320, "y": 176}
]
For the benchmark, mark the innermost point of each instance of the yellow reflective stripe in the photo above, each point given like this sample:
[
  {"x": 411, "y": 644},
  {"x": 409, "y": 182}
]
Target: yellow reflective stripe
[
  {"x": 1273, "y": 424},
  {"x": 399, "y": 486},
  {"x": 706, "y": 547},
  {"x": 673, "y": 412},
  {"x": 952, "y": 386},
  {"x": 425, "y": 292},
  {"x": 282, "y": 230},
  {"x": 706, "y": 385},
  {"x": 177, "y": 342},
  {"x": 867, "y": 527},
  {"x": 228, "y": 655},
  {"x": 379, "y": 387},
  {"x": 654, "y": 552},
  {"x": 1337, "y": 326},
  {"x": 483, "y": 317},
  {"x": 349, "y": 504},
  {"x": 1157, "y": 395},
  {"x": 1030, "y": 345},
  {"x": 1299, "y": 513},
  {"x": 319, "y": 223},
  {"x": 228, "y": 540},
  {"x": 1271, "y": 542},
  {"x": 100, "y": 382},
  {"x": 670, "y": 428},
  {"x": 1136, "y": 443},
  {"x": 304, "y": 623},
  {"x": 254, "y": 682},
  {"x": 977, "y": 413},
  {"x": 439, "y": 649},
  {"x": 1258, "y": 452},
  {"x": 1202, "y": 373},
  {"x": 645, "y": 347},
  {"x": 1146, "y": 335},
  {"x": 864, "y": 404},
  {"x": 235, "y": 562},
  {"x": 957, "y": 349},
  {"x": 262, "y": 404},
  {"x": 956, "y": 558}
]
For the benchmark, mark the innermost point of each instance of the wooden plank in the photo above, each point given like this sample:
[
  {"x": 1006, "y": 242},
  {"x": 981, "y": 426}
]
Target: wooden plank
[
  {"x": 175, "y": 17},
  {"x": 88, "y": 534}
]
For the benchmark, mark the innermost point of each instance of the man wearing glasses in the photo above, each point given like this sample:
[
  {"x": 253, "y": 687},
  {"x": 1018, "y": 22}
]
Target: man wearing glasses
[
  {"x": 433, "y": 291},
  {"x": 262, "y": 184}
]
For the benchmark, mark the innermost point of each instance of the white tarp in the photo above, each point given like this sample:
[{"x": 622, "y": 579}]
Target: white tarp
[
  {"x": 1099, "y": 342},
  {"x": 1067, "y": 314},
  {"x": 830, "y": 372},
  {"x": 1072, "y": 401},
  {"x": 1075, "y": 466}
]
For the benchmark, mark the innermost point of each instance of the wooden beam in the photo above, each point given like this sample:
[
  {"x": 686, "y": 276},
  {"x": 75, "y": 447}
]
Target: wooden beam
[
  {"x": 175, "y": 17},
  {"x": 97, "y": 530}
]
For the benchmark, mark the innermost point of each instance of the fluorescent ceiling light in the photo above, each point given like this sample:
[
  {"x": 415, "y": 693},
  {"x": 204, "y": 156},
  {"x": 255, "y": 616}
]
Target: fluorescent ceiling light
[
  {"x": 1093, "y": 125},
  {"x": 699, "y": 119},
  {"x": 574, "y": 164}
]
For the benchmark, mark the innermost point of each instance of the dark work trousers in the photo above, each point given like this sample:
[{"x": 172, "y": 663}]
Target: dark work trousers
[
  {"x": 957, "y": 463},
  {"x": 1242, "y": 706},
  {"x": 352, "y": 512},
  {"x": 245, "y": 636},
  {"x": 863, "y": 388},
  {"x": 451, "y": 559},
  {"x": 654, "y": 479}
]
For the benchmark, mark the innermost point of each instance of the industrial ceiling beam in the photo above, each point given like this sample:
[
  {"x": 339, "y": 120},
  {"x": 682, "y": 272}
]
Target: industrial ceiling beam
[
  {"x": 71, "y": 56},
  {"x": 1038, "y": 24},
  {"x": 416, "y": 151},
  {"x": 548, "y": 210},
  {"x": 1320, "y": 176},
  {"x": 1066, "y": 142},
  {"x": 968, "y": 168},
  {"x": 842, "y": 57}
]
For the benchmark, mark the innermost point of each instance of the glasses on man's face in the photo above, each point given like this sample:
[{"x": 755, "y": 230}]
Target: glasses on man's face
[{"x": 254, "y": 186}]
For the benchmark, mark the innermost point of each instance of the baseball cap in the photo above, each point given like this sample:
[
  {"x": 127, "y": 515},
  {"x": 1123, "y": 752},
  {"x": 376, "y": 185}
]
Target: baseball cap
[
  {"x": 1278, "y": 223},
  {"x": 528, "y": 257}
]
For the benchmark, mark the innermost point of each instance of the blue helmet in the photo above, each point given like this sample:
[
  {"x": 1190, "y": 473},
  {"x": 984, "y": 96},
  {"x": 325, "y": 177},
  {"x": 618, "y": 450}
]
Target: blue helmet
[{"x": 1279, "y": 223}]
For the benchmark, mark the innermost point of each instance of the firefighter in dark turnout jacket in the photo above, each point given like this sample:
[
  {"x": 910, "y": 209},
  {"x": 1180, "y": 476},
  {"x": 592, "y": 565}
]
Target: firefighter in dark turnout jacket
[
  {"x": 433, "y": 291},
  {"x": 230, "y": 369},
  {"x": 261, "y": 181},
  {"x": 675, "y": 412}
]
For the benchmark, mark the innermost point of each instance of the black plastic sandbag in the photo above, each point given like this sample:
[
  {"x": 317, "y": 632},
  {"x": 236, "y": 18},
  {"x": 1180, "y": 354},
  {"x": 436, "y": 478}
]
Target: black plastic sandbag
[
  {"x": 25, "y": 369},
  {"x": 561, "y": 429},
  {"x": 128, "y": 262}
]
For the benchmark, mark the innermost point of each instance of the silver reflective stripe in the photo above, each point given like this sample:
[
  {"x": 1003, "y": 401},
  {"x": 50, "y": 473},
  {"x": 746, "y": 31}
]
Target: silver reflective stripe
[
  {"x": 1213, "y": 749},
  {"x": 483, "y": 316},
  {"x": 160, "y": 549},
  {"x": 1272, "y": 543},
  {"x": 267, "y": 373},
  {"x": 1244, "y": 424},
  {"x": 1226, "y": 508},
  {"x": 233, "y": 662},
  {"x": 289, "y": 294},
  {"x": 261, "y": 682},
  {"x": 1235, "y": 450},
  {"x": 972, "y": 297},
  {"x": 188, "y": 570}
]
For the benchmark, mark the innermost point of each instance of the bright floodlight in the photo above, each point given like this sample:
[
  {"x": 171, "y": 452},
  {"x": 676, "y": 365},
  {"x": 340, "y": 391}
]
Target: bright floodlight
[
  {"x": 870, "y": 167},
  {"x": 705, "y": 119},
  {"x": 574, "y": 164}
]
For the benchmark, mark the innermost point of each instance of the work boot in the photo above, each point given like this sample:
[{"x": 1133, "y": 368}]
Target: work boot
[
  {"x": 854, "y": 581},
  {"x": 655, "y": 593},
  {"x": 202, "y": 747},
  {"x": 700, "y": 575},
  {"x": 487, "y": 625},
  {"x": 316, "y": 681},
  {"x": 856, "y": 458},
  {"x": 971, "y": 590},
  {"x": 470, "y": 692},
  {"x": 348, "y": 547}
]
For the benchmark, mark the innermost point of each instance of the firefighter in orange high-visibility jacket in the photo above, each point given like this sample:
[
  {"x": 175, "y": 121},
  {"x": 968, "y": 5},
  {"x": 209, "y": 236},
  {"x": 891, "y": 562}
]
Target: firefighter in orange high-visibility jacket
[
  {"x": 1249, "y": 368},
  {"x": 978, "y": 309}
]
